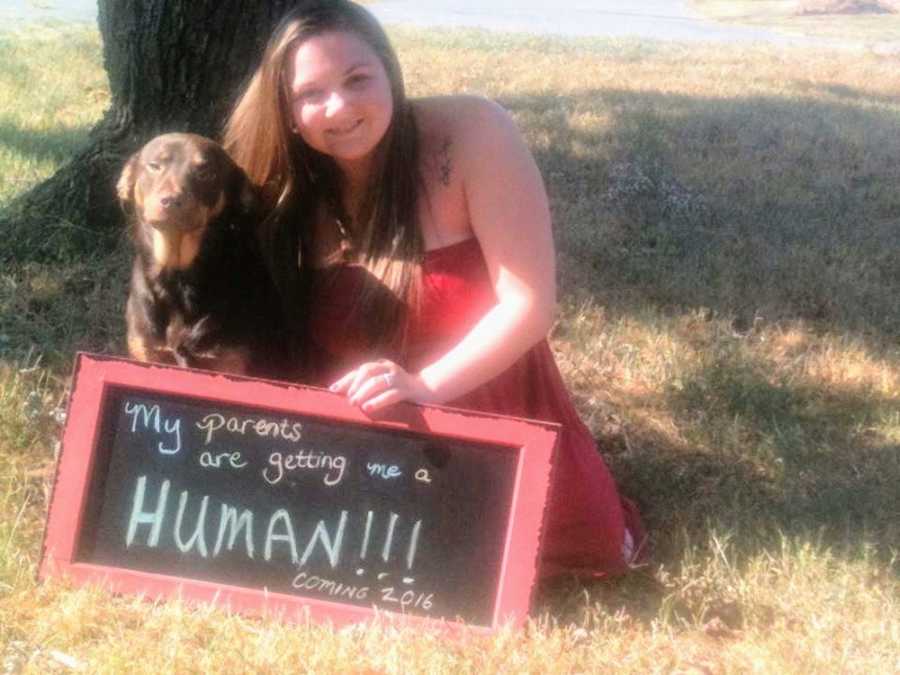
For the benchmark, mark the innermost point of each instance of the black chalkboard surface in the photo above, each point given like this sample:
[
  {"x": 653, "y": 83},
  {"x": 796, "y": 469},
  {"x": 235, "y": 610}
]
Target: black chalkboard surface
[
  {"x": 299, "y": 506},
  {"x": 195, "y": 487}
]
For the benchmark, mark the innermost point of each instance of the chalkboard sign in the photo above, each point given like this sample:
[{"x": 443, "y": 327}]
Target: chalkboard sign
[{"x": 267, "y": 496}]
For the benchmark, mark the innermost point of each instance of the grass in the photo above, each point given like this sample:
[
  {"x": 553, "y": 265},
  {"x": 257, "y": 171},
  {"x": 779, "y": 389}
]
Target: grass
[
  {"x": 727, "y": 224},
  {"x": 783, "y": 16},
  {"x": 46, "y": 110}
]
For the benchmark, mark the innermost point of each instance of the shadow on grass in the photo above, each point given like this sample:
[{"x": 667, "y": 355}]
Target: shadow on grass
[
  {"x": 52, "y": 310},
  {"x": 850, "y": 93},
  {"x": 757, "y": 462},
  {"x": 56, "y": 145},
  {"x": 778, "y": 207},
  {"x": 762, "y": 208},
  {"x": 766, "y": 458}
]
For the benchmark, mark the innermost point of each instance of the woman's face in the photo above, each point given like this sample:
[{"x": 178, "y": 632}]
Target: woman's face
[{"x": 341, "y": 101}]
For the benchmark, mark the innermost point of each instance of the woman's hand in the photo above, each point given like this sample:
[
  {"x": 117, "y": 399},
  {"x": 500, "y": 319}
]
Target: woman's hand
[{"x": 378, "y": 384}]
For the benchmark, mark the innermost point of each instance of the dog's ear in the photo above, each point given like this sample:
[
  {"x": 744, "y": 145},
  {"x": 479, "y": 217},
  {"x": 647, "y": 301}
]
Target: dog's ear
[{"x": 125, "y": 186}]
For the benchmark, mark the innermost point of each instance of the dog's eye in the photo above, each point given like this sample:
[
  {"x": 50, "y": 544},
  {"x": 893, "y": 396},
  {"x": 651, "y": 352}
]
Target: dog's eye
[{"x": 204, "y": 172}]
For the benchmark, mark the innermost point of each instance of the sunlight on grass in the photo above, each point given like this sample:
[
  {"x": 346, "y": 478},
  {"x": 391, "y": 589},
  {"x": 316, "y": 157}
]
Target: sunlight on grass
[
  {"x": 760, "y": 615},
  {"x": 52, "y": 91},
  {"x": 727, "y": 228}
]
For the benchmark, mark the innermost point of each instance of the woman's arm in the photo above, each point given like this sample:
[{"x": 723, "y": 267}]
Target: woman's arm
[{"x": 507, "y": 207}]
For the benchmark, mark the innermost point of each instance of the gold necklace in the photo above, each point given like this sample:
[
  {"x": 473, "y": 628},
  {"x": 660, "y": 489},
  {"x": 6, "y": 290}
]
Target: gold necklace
[{"x": 346, "y": 243}]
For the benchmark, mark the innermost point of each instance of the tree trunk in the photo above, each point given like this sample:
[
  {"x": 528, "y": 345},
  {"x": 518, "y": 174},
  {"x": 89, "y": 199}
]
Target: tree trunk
[{"x": 173, "y": 65}]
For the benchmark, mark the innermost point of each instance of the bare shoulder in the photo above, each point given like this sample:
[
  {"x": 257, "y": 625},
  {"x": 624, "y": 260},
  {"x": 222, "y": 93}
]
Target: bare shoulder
[
  {"x": 459, "y": 118},
  {"x": 473, "y": 147},
  {"x": 457, "y": 131}
]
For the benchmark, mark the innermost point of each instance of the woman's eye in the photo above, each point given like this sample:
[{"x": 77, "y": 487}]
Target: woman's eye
[
  {"x": 357, "y": 80},
  {"x": 309, "y": 96},
  {"x": 153, "y": 166}
]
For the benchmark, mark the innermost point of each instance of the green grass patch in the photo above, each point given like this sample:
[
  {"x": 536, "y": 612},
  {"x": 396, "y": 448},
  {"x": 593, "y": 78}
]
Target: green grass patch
[{"x": 52, "y": 91}]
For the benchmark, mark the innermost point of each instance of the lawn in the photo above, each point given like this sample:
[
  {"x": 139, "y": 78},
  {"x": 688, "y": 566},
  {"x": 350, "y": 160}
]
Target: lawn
[{"x": 728, "y": 231}]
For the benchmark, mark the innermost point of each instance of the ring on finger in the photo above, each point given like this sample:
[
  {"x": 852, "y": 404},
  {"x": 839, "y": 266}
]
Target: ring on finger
[{"x": 388, "y": 380}]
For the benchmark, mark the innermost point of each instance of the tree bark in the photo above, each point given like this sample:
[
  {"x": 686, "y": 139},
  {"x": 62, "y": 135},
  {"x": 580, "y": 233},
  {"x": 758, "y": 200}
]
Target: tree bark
[{"x": 173, "y": 65}]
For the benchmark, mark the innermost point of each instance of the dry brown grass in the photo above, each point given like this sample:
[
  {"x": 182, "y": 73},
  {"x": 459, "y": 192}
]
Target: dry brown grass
[{"x": 727, "y": 225}]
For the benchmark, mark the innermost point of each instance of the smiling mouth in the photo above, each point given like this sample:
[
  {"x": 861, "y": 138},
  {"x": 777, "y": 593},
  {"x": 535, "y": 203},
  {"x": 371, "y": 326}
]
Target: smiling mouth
[{"x": 350, "y": 128}]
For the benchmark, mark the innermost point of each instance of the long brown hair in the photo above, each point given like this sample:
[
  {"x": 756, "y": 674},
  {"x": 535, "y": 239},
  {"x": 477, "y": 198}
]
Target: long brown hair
[{"x": 296, "y": 181}]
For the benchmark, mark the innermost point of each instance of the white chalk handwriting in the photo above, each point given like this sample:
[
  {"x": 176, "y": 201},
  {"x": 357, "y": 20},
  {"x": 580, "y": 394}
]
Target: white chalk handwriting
[
  {"x": 214, "y": 422},
  {"x": 325, "y": 541},
  {"x": 208, "y": 460},
  {"x": 333, "y": 466},
  {"x": 150, "y": 417},
  {"x": 383, "y": 470}
]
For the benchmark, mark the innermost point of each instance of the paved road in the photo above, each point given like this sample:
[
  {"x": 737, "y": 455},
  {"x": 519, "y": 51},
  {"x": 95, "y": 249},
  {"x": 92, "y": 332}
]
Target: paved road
[
  {"x": 653, "y": 19},
  {"x": 14, "y": 13}
]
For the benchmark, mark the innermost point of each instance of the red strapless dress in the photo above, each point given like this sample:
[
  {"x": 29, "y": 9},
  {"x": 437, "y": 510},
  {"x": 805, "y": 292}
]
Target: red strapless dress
[{"x": 590, "y": 531}]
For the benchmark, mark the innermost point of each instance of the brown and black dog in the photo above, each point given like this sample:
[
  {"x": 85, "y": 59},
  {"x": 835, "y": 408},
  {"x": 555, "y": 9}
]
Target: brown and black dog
[{"x": 200, "y": 293}]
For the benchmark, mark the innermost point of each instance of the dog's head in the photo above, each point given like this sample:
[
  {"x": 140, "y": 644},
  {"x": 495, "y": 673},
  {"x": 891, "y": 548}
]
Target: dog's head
[{"x": 174, "y": 187}]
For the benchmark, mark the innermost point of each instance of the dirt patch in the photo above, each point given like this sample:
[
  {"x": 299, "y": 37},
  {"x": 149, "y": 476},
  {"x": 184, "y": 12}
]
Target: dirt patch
[{"x": 814, "y": 7}]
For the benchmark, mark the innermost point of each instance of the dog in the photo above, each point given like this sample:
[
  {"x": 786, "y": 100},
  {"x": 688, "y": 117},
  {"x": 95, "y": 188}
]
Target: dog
[{"x": 200, "y": 293}]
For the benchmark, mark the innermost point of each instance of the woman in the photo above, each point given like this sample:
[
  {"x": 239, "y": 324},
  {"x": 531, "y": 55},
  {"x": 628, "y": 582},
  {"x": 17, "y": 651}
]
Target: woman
[{"x": 426, "y": 255}]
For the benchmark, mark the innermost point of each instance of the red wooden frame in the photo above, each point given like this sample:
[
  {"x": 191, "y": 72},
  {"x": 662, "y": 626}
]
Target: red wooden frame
[{"x": 534, "y": 441}]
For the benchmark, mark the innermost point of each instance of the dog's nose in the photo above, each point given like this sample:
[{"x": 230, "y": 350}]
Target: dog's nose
[{"x": 170, "y": 201}]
